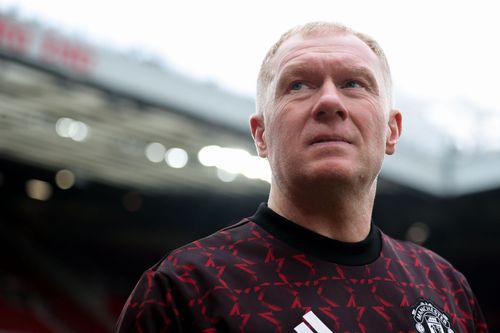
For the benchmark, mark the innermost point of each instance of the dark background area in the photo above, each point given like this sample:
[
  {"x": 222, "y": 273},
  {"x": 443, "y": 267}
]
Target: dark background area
[{"x": 79, "y": 254}]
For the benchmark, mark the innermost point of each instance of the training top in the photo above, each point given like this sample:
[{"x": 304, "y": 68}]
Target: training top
[{"x": 269, "y": 274}]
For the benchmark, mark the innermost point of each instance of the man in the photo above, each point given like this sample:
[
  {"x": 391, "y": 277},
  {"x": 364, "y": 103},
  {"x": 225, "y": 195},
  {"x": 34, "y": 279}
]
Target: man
[{"x": 311, "y": 260}]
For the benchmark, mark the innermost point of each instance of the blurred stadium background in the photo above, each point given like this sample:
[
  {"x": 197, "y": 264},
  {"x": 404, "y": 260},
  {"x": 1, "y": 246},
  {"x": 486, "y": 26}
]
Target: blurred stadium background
[{"x": 108, "y": 162}]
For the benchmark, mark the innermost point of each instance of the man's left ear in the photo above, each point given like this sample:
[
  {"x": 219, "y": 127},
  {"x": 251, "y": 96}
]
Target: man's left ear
[{"x": 394, "y": 128}]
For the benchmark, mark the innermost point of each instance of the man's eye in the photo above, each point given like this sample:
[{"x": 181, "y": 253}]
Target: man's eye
[
  {"x": 297, "y": 86},
  {"x": 352, "y": 84}
]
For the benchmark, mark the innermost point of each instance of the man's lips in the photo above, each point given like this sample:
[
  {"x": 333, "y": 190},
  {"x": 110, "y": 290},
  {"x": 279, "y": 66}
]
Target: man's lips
[{"x": 329, "y": 139}]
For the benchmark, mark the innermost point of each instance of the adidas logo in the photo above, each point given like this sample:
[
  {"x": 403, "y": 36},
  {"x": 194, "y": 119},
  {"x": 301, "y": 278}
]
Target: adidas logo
[{"x": 311, "y": 324}]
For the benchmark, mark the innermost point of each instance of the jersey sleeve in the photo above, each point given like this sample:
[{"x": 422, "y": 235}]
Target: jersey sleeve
[
  {"x": 151, "y": 306},
  {"x": 480, "y": 325}
]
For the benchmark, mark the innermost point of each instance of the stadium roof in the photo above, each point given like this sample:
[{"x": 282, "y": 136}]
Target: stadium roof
[{"x": 68, "y": 104}]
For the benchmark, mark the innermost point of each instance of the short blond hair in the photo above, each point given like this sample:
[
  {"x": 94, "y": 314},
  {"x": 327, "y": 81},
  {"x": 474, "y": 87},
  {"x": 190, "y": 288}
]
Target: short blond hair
[{"x": 267, "y": 73}]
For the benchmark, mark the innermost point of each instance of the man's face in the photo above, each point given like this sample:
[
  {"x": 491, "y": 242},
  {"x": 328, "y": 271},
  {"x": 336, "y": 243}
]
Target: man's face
[{"x": 328, "y": 118}]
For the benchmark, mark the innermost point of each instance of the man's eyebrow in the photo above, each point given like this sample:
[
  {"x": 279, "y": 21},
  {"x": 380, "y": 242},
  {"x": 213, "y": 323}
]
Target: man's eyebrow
[
  {"x": 342, "y": 69},
  {"x": 364, "y": 72},
  {"x": 360, "y": 71},
  {"x": 302, "y": 69},
  {"x": 355, "y": 70},
  {"x": 297, "y": 69}
]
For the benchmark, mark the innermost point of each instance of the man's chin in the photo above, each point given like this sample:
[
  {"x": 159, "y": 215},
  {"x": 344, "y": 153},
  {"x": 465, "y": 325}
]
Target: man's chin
[
  {"x": 330, "y": 175},
  {"x": 332, "y": 169}
]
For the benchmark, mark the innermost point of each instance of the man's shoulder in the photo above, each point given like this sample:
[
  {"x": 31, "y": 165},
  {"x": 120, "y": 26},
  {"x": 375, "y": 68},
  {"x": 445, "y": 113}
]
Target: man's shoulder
[
  {"x": 415, "y": 254},
  {"x": 223, "y": 238},
  {"x": 222, "y": 245}
]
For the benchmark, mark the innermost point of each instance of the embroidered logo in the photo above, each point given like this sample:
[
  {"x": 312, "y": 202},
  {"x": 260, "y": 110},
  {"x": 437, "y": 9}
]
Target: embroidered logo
[
  {"x": 430, "y": 319},
  {"x": 312, "y": 322}
]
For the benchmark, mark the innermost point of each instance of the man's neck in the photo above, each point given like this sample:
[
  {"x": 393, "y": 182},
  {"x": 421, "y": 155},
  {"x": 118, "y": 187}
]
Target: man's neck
[{"x": 342, "y": 215}]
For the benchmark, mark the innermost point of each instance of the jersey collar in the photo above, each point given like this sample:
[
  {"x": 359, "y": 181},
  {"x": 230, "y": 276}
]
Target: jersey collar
[{"x": 319, "y": 246}]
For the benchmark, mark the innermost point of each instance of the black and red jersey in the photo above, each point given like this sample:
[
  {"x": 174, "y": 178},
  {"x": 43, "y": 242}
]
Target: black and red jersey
[{"x": 268, "y": 274}]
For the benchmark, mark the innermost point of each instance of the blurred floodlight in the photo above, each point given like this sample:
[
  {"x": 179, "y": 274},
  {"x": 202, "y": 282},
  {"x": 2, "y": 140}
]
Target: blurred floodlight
[
  {"x": 70, "y": 128},
  {"x": 62, "y": 127},
  {"x": 208, "y": 155},
  {"x": 65, "y": 179},
  {"x": 418, "y": 233},
  {"x": 38, "y": 189},
  {"x": 235, "y": 161},
  {"x": 256, "y": 168},
  {"x": 225, "y": 176},
  {"x": 176, "y": 157},
  {"x": 78, "y": 131},
  {"x": 155, "y": 152}
]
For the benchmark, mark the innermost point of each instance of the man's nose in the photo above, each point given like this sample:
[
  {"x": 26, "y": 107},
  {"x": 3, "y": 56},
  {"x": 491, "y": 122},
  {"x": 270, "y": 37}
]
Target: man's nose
[{"x": 329, "y": 103}]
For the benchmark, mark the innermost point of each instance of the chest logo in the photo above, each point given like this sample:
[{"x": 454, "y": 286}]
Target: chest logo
[
  {"x": 314, "y": 323},
  {"x": 430, "y": 319}
]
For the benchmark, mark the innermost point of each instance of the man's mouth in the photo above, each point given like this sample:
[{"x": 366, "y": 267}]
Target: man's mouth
[{"x": 329, "y": 139}]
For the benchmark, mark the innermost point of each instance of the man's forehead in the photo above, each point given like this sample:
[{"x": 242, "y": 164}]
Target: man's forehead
[{"x": 329, "y": 42}]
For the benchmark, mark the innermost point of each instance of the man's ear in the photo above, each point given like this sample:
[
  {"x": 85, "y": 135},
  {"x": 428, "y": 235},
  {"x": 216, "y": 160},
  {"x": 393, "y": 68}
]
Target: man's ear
[
  {"x": 395, "y": 126},
  {"x": 258, "y": 129}
]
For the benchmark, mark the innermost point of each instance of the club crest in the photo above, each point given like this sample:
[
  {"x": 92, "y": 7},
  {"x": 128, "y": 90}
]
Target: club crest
[{"x": 430, "y": 319}]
